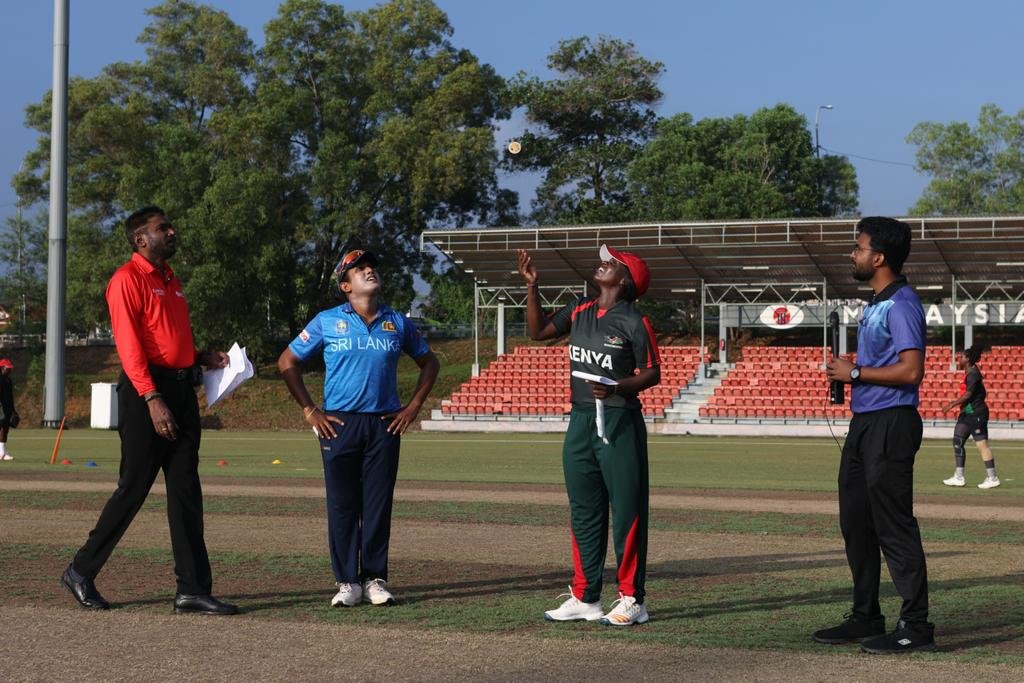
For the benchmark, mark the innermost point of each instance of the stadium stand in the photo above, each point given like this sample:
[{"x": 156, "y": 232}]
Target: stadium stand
[
  {"x": 787, "y": 382},
  {"x": 533, "y": 381}
]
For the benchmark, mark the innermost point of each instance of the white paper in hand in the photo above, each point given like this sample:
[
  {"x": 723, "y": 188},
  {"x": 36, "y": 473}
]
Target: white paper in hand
[
  {"x": 220, "y": 382},
  {"x": 598, "y": 403}
]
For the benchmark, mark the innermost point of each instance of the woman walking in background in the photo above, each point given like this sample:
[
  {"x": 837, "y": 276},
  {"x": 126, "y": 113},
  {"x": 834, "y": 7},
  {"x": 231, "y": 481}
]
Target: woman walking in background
[{"x": 973, "y": 420}]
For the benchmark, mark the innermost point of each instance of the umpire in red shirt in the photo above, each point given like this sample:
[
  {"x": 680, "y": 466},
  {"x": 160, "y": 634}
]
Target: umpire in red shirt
[{"x": 158, "y": 418}]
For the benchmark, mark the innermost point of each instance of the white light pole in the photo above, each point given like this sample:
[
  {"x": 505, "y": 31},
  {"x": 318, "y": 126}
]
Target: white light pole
[{"x": 817, "y": 115}]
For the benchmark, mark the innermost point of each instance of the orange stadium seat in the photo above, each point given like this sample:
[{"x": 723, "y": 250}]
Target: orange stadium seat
[{"x": 533, "y": 381}]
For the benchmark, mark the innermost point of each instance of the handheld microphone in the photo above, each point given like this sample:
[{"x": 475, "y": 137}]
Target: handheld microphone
[{"x": 836, "y": 391}]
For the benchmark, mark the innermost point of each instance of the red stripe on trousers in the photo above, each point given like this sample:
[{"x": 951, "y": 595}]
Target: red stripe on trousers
[
  {"x": 630, "y": 560},
  {"x": 579, "y": 579}
]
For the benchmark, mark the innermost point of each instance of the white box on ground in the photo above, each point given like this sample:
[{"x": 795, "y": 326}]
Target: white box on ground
[{"x": 103, "y": 414}]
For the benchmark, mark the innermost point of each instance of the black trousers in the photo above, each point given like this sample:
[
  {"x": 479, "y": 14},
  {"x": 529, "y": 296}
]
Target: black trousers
[
  {"x": 876, "y": 510},
  {"x": 143, "y": 454}
]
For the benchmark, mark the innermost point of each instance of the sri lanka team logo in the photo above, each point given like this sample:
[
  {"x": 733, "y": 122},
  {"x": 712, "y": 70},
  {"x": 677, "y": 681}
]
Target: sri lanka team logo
[
  {"x": 388, "y": 326},
  {"x": 341, "y": 327}
]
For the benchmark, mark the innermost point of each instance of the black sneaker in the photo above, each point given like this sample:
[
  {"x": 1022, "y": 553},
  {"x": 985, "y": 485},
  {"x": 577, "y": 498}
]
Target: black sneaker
[
  {"x": 909, "y": 636},
  {"x": 852, "y": 630}
]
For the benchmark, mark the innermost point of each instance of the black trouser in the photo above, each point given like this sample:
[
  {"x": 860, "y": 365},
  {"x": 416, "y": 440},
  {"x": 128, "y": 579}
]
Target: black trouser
[
  {"x": 143, "y": 454},
  {"x": 876, "y": 509}
]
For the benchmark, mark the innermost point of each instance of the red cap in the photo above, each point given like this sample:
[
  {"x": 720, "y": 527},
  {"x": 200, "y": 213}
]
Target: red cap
[
  {"x": 6, "y": 363},
  {"x": 636, "y": 266}
]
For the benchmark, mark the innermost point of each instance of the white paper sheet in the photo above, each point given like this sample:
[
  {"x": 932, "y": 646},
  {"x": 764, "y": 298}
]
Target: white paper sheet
[
  {"x": 220, "y": 382},
  {"x": 598, "y": 403}
]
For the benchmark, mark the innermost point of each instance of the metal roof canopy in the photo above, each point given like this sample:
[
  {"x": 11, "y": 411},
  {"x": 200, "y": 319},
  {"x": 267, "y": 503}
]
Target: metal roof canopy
[{"x": 975, "y": 251}]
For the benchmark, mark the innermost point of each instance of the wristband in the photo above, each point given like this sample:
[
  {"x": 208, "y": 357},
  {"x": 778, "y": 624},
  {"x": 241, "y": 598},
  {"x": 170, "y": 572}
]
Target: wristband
[
  {"x": 155, "y": 394},
  {"x": 307, "y": 411}
]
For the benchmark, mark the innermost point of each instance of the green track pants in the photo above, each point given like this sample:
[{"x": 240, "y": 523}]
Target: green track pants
[{"x": 599, "y": 474}]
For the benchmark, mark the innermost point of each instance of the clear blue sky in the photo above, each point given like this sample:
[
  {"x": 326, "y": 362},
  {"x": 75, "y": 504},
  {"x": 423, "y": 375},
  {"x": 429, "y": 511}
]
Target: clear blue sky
[{"x": 884, "y": 65}]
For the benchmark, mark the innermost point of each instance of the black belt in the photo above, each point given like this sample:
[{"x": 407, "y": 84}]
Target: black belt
[{"x": 191, "y": 374}]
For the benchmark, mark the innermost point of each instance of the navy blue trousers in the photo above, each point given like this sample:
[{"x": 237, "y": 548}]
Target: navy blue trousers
[{"x": 360, "y": 469}]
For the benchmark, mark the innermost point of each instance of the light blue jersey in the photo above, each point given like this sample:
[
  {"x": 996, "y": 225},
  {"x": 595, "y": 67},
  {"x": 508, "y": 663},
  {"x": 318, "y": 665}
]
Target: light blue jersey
[{"x": 361, "y": 360}]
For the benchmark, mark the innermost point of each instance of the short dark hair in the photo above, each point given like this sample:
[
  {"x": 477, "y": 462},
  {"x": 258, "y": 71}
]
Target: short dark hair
[
  {"x": 973, "y": 353},
  {"x": 888, "y": 236},
  {"x": 138, "y": 219}
]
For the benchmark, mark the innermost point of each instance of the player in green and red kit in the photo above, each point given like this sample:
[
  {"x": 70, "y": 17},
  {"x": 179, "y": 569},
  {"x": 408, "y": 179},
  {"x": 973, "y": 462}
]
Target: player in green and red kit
[
  {"x": 609, "y": 337},
  {"x": 973, "y": 420}
]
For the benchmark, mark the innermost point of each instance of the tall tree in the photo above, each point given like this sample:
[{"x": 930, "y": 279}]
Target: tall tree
[
  {"x": 390, "y": 129},
  {"x": 23, "y": 255},
  {"x": 370, "y": 126},
  {"x": 586, "y": 125},
  {"x": 145, "y": 133},
  {"x": 762, "y": 166},
  {"x": 973, "y": 171}
]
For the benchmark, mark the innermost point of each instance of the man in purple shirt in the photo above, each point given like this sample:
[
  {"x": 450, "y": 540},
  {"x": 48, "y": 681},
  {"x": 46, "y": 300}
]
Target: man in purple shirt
[{"x": 876, "y": 473}]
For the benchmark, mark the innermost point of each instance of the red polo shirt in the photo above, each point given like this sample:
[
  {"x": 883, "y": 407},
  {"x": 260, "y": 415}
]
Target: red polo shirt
[{"x": 149, "y": 318}]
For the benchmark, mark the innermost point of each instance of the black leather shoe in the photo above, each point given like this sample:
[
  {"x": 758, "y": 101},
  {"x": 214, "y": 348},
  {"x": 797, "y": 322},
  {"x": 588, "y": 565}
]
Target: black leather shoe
[
  {"x": 201, "y": 604},
  {"x": 84, "y": 591}
]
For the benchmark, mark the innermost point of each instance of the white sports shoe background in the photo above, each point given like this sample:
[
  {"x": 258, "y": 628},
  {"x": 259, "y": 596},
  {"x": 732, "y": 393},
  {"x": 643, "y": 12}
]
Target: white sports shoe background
[
  {"x": 6, "y": 456},
  {"x": 349, "y": 595},
  {"x": 375, "y": 591},
  {"x": 575, "y": 610},
  {"x": 989, "y": 483},
  {"x": 626, "y": 611},
  {"x": 955, "y": 481}
]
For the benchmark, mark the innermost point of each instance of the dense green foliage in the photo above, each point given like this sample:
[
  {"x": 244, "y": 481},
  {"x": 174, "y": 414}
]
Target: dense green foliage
[
  {"x": 587, "y": 124},
  {"x": 975, "y": 171},
  {"x": 368, "y": 128},
  {"x": 761, "y": 166}
]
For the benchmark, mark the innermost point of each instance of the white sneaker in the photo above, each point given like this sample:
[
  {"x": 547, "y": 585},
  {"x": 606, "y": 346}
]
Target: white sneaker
[
  {"x": 989, "y": 483},
  {"x": 349, "y": 595},
  {"x": 376, "y": 591},
  {"x": 575, "y": 610},
  {"x": 6, "y": 456},
  {"x": 955, "y": 481},
  {"x": 626, "y": 611}
]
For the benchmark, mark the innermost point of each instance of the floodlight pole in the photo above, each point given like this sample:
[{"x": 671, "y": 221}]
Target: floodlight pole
[
  {"x": 817, "y": 114},
  {"x": 476, "y": 329},
  {"x": 56, "y": 274}
]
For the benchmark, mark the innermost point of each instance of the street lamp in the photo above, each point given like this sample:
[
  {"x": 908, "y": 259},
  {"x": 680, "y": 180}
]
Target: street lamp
[{"x": 817, "y": 114}]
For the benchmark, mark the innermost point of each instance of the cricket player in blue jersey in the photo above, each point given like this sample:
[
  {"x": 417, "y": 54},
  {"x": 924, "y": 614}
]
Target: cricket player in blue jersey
[{"x": 361, "y": 422}]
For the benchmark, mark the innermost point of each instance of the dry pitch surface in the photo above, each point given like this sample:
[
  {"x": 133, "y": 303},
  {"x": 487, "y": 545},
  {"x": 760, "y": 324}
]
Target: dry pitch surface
[{"x": 436, "y": 566}]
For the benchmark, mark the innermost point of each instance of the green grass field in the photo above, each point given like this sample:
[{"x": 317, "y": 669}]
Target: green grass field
[
  {"x": 717, "y": 578},
  {"x": 693, "y": 462}
]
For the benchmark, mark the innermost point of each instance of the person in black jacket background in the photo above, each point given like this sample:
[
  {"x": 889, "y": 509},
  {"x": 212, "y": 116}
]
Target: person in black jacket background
[{"x": 9, "y": 417}]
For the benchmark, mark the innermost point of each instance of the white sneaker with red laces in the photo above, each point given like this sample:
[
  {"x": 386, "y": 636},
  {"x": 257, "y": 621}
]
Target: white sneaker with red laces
[{"x": 626, "y": 611}]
